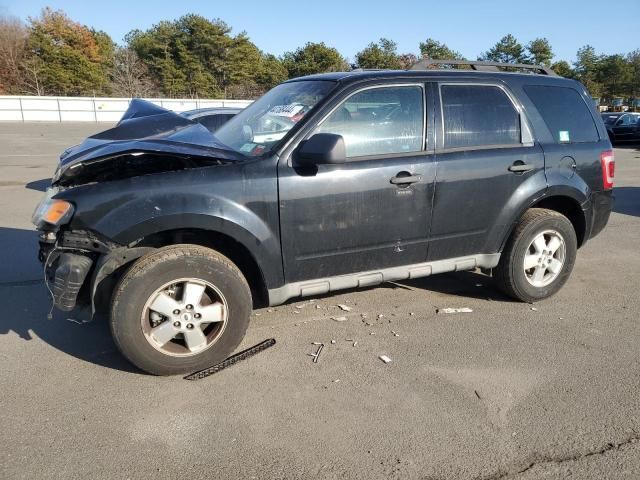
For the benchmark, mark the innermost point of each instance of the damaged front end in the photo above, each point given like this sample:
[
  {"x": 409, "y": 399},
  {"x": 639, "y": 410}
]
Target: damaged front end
[{"x": 148, "y": 140}]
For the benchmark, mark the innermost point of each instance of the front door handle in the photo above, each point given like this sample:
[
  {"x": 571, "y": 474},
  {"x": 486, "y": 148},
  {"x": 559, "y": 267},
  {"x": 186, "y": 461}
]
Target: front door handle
[
  {"x": 520, "y": 167},
  {"x": 406, "y": 179}
]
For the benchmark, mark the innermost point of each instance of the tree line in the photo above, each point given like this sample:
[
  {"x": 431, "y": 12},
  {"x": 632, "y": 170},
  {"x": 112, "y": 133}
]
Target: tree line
[{"x": 196, "y": 57}]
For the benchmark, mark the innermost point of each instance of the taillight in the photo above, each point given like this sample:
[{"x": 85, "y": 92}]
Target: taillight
[{"x": 608, "y": 164}]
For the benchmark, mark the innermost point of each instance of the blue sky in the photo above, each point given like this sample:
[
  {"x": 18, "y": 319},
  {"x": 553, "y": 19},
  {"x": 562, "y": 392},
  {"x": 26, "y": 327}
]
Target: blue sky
[{"x": 469, "y": 26}]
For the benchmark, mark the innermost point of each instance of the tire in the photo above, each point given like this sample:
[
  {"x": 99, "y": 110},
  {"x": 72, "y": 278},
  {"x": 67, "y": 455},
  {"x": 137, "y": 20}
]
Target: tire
[
  {"x": 526, "y": 284},
  {"x": 169, "y": 280}
]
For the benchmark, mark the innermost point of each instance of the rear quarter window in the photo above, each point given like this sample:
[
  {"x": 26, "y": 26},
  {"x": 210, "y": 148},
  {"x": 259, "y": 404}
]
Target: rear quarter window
[{"x": 565, "y": 113}]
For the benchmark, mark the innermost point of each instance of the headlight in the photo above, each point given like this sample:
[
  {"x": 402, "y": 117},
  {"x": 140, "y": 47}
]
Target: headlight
[{"x": 52, "y": 212}]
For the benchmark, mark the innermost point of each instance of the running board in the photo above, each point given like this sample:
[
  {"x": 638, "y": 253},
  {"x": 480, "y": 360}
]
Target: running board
[{"x": 319, "y": 286}]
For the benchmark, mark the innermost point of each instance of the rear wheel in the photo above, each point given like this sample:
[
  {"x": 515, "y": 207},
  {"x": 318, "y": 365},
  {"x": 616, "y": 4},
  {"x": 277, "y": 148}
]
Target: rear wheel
[
  {"x": 539, "y": 256},
  {"x": 180, "y": 309}
]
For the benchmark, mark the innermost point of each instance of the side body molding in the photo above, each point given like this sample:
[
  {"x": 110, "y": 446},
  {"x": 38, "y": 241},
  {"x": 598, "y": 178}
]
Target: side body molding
[{"x": 365, "y": 279}]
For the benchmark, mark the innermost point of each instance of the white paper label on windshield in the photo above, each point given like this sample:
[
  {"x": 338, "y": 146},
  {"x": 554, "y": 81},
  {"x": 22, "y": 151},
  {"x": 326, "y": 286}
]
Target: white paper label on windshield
[
  {"x": 286, "y": 110},
  {"x": 564, "y": 136}
]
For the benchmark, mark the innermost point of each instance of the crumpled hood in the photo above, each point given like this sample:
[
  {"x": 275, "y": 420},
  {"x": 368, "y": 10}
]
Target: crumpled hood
[{"x": 147, "y": 128}]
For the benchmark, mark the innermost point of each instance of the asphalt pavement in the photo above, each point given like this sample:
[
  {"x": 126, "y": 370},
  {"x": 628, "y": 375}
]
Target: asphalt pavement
[{"x": 510, "y": 390}]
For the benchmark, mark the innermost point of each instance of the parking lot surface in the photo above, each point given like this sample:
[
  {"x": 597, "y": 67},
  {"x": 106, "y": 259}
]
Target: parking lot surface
[{"x": 509, "y": 390}]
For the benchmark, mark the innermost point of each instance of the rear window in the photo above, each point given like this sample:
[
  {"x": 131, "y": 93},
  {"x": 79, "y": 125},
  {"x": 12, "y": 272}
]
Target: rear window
[
  {"x": 478, "y": 116},
  {"x": 565, "y": 113}
]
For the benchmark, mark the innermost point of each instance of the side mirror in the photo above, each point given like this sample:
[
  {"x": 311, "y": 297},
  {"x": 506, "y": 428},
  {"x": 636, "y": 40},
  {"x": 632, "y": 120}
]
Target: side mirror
[{"x": 322, "y": 148}]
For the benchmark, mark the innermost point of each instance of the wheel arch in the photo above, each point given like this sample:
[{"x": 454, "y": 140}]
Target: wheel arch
[
  {"x": 223, "y": 243},
  {"x": 114, "y": 264},
  {"x": 565, "y": 202}
]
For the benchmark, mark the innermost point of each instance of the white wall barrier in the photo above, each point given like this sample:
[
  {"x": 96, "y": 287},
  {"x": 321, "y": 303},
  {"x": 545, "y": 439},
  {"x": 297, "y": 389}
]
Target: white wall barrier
[{"x": 91, "y": 109}]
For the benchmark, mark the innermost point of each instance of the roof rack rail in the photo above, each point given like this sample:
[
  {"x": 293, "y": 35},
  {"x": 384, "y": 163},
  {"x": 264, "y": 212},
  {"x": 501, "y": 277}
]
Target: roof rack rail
[{"x": 427, "y": 63}]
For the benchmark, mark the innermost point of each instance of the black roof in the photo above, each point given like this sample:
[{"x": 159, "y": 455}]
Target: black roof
[{"x": 356, "y": 75}]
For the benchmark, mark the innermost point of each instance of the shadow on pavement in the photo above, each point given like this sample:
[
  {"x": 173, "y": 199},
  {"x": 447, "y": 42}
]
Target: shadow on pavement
[
  {"x": 627, "y": 200},
  {"x": 39, "y": 185},
  {"x": 30, "y": 303},
  {"x": 462, "y": 284}
]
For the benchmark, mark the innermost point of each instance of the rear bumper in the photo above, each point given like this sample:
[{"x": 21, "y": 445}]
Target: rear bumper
[{"x": 601, "y": 206}]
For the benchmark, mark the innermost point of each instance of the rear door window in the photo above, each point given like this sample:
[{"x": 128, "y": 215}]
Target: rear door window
[
  {"x": 478, "y": 116},
  {"x": 565, "y": 112}
]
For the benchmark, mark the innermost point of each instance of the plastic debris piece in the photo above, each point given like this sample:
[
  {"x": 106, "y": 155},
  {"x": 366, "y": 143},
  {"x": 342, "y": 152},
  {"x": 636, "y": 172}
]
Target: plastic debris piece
[
  {"x": 339, "y": 319},
  {"x": 411, "y": 313},
  {"x": 355, "y": 344},
  {"x": 454, "y": 310},
  {"x": 344, "y": 307},
  {"x": 317, "y": 354},
  {"x": 395, "y": 334},
  {"x": 300, "y": 306},
  {"x": 333, "y": 342},
  {"x": 316, "y": 343},
  {"x": 534, "y": 309},
  {"x": 384, "y": 358},
  {"x": 233, "y": 359},
  {"x": 318, "y": 306}
]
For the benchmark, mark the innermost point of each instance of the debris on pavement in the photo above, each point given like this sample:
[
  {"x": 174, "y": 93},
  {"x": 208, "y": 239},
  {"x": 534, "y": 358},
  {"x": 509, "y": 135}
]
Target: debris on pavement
[
  {"x": 477, "y": 394},
  {"x": 344, "y": 307},
  {"x": 339, "y": 319},
  {"x": 355, "y": 344},
  {"x": 333, "y": 342},
  {"x": 534, "y": 309},
  {"x": 233, "y": 359},
  {"x": 317, "y": 354},
  {"x": 384, "y": 358},
  {"x": 395, "y": 334},
  {"x": 454, "y": 310}
]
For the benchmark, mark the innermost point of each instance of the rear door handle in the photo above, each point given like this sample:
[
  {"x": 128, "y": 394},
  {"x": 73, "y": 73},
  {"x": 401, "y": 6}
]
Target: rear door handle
[
  {"x": 406, "y": 180},
  {"x": 519, "y": 167}
]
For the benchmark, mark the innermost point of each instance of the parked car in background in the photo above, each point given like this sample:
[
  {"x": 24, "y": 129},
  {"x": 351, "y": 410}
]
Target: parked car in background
[
  {"x": 327, "y": 182},
  {"x": 622, "y": 127},
  {"x": 212, "y": 118}
]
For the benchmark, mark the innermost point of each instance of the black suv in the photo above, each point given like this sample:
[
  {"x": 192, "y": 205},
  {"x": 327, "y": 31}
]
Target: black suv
[{"x": 327, "y": 182}]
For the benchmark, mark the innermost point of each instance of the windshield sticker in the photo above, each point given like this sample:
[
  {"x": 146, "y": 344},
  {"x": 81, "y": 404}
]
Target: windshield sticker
[
  {"x": 286, "y": 110},
  {"x": 564, "y": 136},
  {"x": 247, "y": 147}
]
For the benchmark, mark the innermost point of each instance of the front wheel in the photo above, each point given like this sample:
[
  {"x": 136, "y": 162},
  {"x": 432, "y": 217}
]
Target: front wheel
[
  {"x": 539, "y": 256},
  {"x": 179, "y": 309}
]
